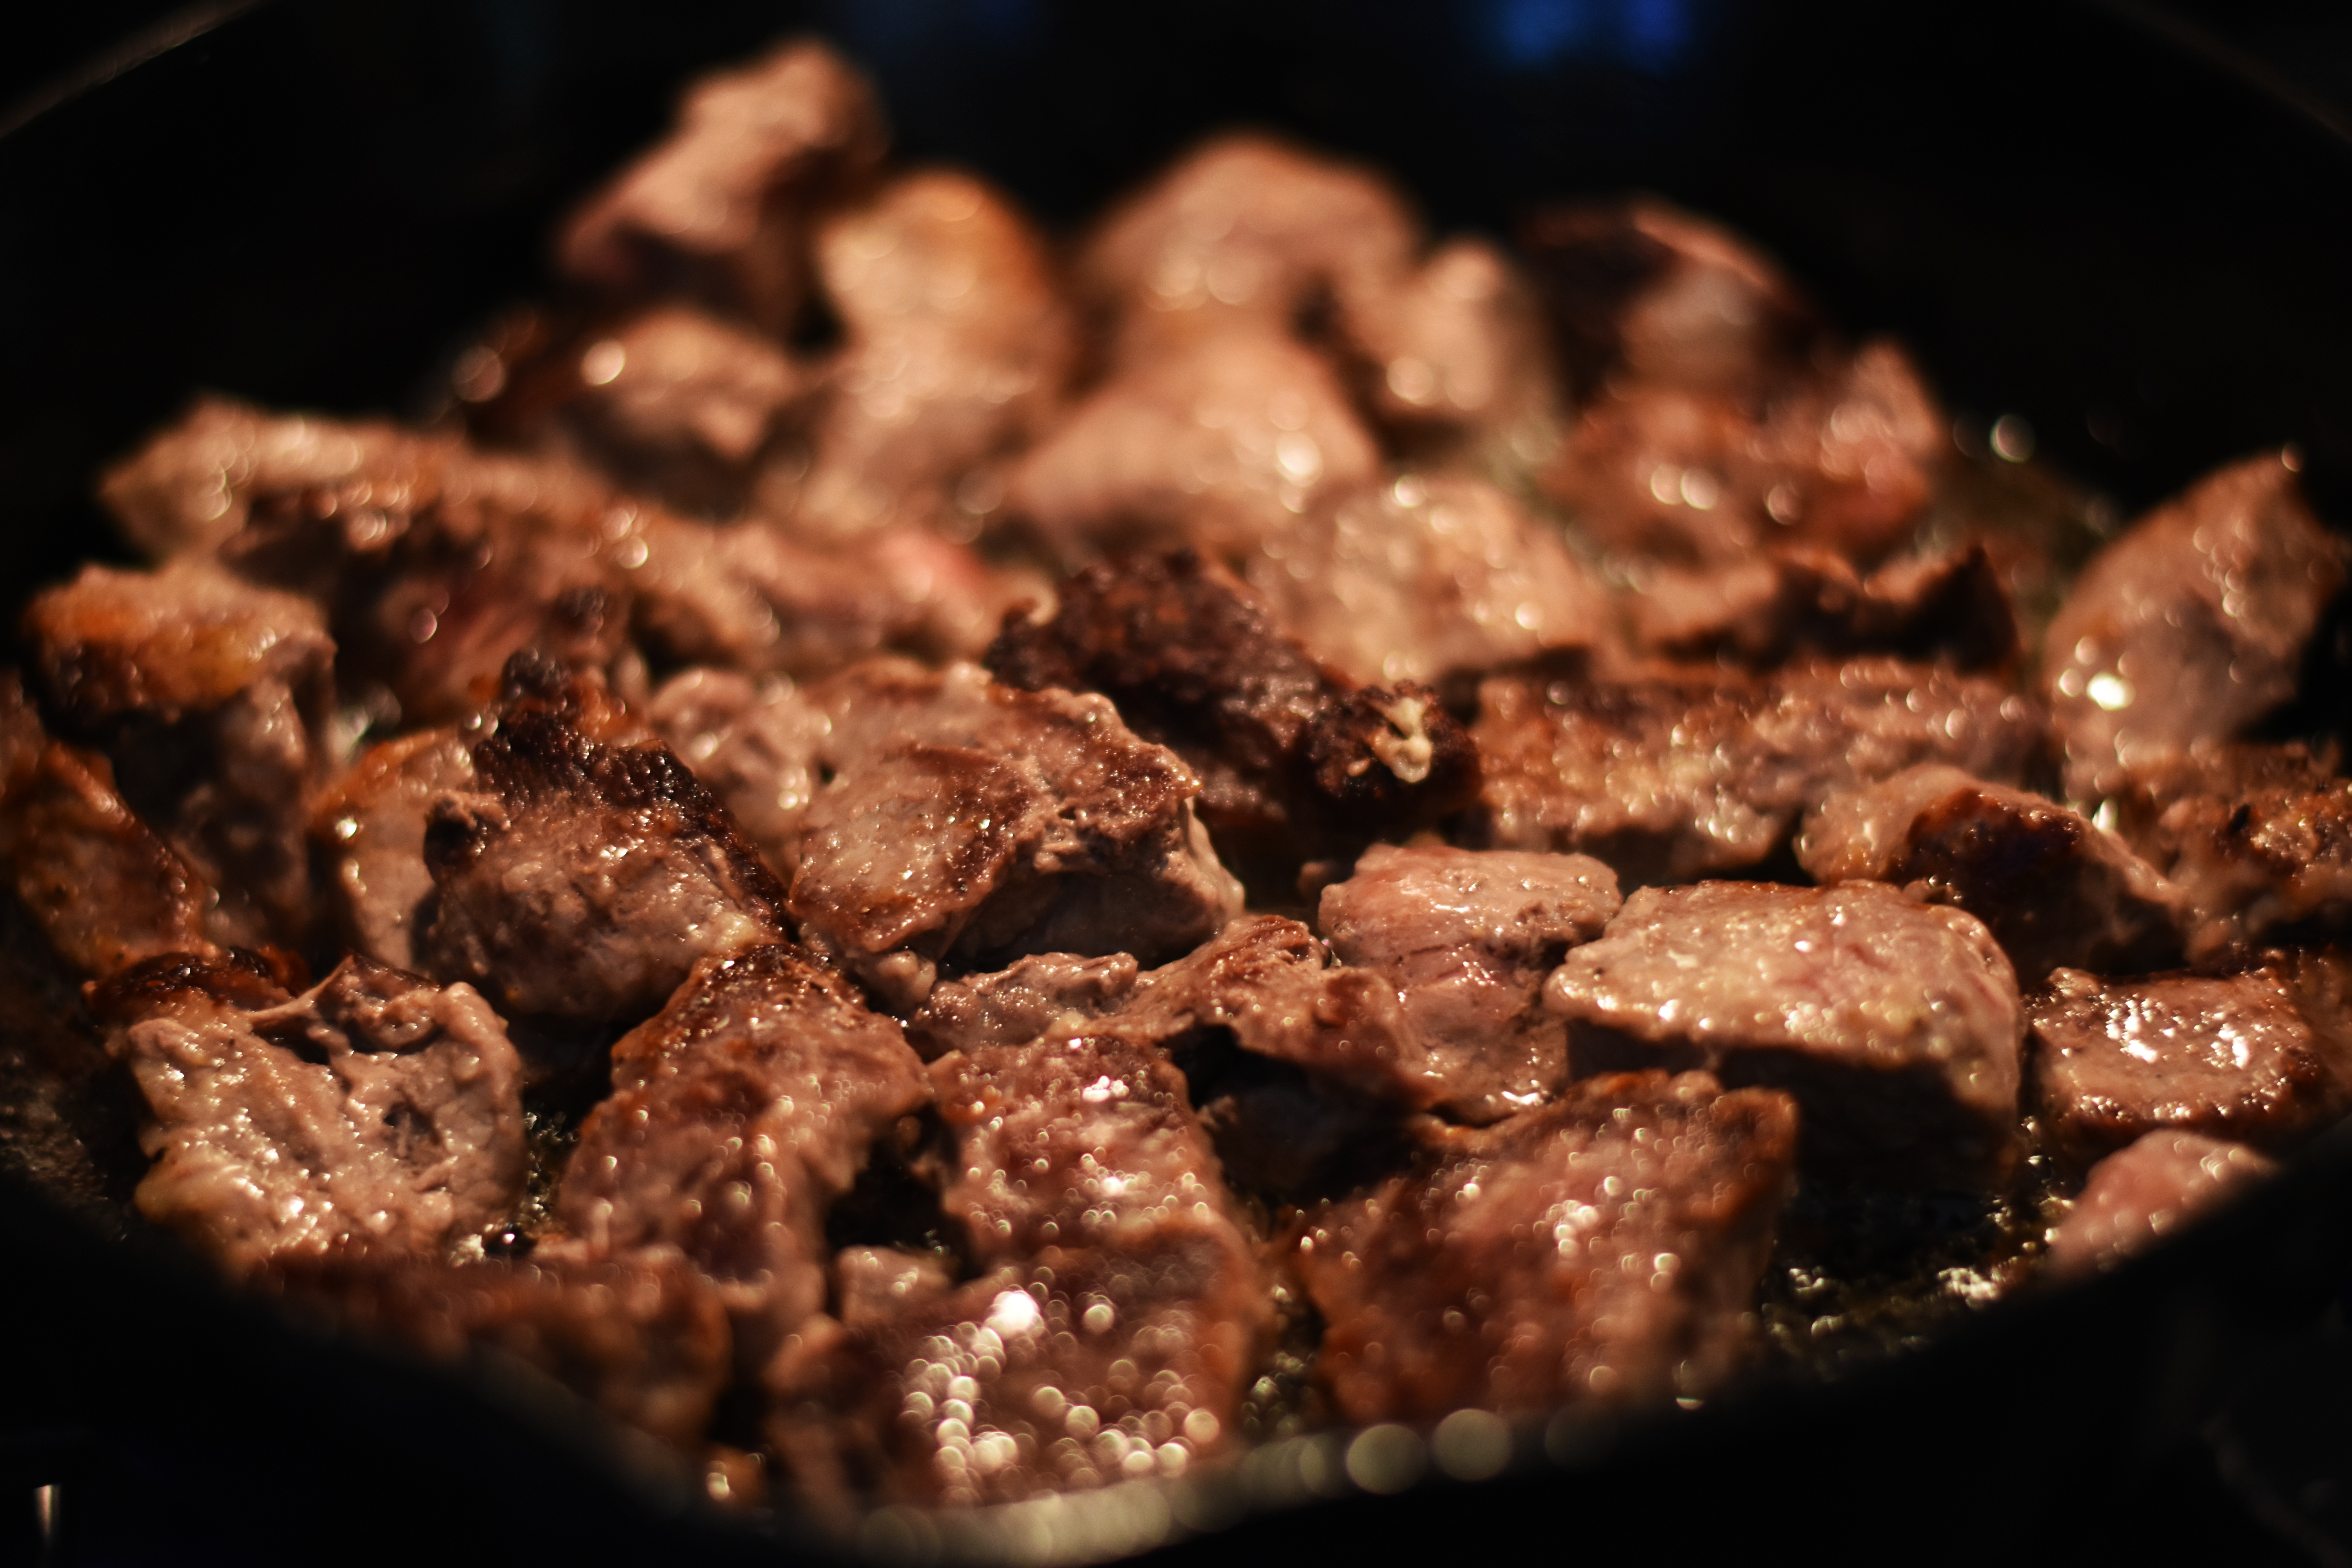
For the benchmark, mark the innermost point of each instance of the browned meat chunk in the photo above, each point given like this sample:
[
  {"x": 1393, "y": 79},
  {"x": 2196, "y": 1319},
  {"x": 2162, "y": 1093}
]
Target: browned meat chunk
[
  {"x": 2054, "y": 890},
  {"x": 1673, "y": 778},
  {"x": 958, "y": 343},
  {"x": 1117, "y": 1324},
  {"x": 1294, "y": 762},
  {"x": 371, "y": 825},
  {"x": 581, "y": 878},
  {"x": 1896, "y": 1024},
  {"x": 1604, "y": 1247},
  {"x": 1218, "y": 443},
  {"x": 2188, "y": 627},
  {"x": 2259, "y": 839},
  {"x": 1045, "y": 993},
  {"x": 2133, "y": 1197},
  {"x": 747, "y": 597},
  {"x": 642, "y": 1337},
  {"x": 209, "y": 695},
  {"x": 373, "y": 1113},
  {"x": 754, "y": 744},
  {"x": 722, "y": 209},
  {"x": 2233, "y": 1058},
  {"x": 874, "y": 1286},
  {"x": 1466, "y": 937},
  {"x": 1767, "y": 609},
  {"x": 960, "y": 819},
  {"x": 1436, "y": 581},
  {"x": 738, "y": 1115}
]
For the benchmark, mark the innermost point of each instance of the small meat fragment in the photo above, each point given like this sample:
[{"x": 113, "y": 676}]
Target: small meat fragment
[
  {"x": 1436, "y": 581},
  {"x": 2188, "y": 627},
  {"x": 722, "y": 209},
  {"x": 2137, "y": 1196},
  {"x": 1604, "y": 1247},
  {"x": 683, "y": 405},
  {"x": 581, "y": 879},
  {"x": 1896, "y": 1024},
  {"x": 376, "y": 1113},
  {"x": 875, "y": 1285},
  {"x": 738, "y": 1115},
  {"x": 1045, "y": 993},
  {"x": 1671, "y": 778},
  {"x": 1458, "y": 348},
  {"x": 2259, "y": 837},
  {"x": 1294, "y": 761},
  {"x": 1789, "y": 602},
  {"x": 1218, "y": 443},
  {"x": 1467, "y": 937},
  {"x": 186, "y": 492},
  {"x": 1243, "y": 234},
  {"x": 1118, "y": 1318},
  {"x": 2054, "y": 890},
  {"x": 746, "y": 597},
  {"x": 960, "y": 817},
  {"x": 371, "y": 825},
  {"x": 2233, "y": 1057},
  {"x": 209, "y": 694},
  {"x": 754, "y": 744},
  {"x": 643, "y": 1337},
  {"x": 958, "y": 344}
]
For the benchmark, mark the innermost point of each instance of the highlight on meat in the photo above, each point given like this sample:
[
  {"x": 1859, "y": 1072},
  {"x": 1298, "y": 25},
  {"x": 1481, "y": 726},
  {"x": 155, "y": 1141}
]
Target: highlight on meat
[{"x": 1243, "y": 821}]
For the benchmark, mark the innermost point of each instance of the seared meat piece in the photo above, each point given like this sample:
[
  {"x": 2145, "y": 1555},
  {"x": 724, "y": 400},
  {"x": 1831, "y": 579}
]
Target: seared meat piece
[
  {"x": 1788, "y": 602},
  {"x": 370, "y": 826},
  {"x": 1604, "y": 1247},
  {"x": 1670, "y": 778},
  {"x": 375, "y": 1113},
  {"x": 722, "y": 209},
  {"x": 188, "y": 490},
  {"x": 877, "y": 1285},
  {"x": 2140, "y": 1193},
  {"x": 683, "y": 405},
  {"x": 1466, "y": 937},
  {"x": 738, "y": 1115},
  {"x": 2188, "y": 627},
  {"x": 960, "y": 819},
  {"x": 209, "y": 695},
  {"x": 2259, "y": 839},
  {"x": 1245, "y": 234},
  {"x": 1118, "y": 1321},
  {"x": 1896, "y": 1024},
  {"x": 1436, "y": 580},
  {"x": 755, "y": 745},
  {"x": 642, "y": 1337},
  {"x": 747, "y": 597},
  {"x": 1218, "y": 444},
  {"x": 2053, "y": 889},
  {"x": 2233, "y": 1058},
  {"x": 1292, "y": 762},
  {"x": 1458, "y": 348},
  {"x": 1045, "y": 993},
  {"x": 582, "y": 878},
  {"x": 958, "y": 343}
]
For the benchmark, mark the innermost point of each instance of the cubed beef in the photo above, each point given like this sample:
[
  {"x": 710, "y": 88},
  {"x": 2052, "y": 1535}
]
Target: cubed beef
[
  {"x": 2162, "y": 1180},
  {"x": 957, "y": 345},
  {"x": 738, "y": 1115},
  {"x": 1467, "y": 937},
  {"x": 2053, "y": 889},
  {"x": 370, "y": 827},
  {"x": 1433, "y": 580},
  {"x": 210, "y": 695},
  {"x": 1669, "y": 778},
  {"x": 1045, "y": 994},
  {"x": 957, "y": 817},
  {"x": 1896, "y": 1024},
  {"x": 2190, "y": 626},
  {"x": 2232, "y": 1057},
  {"x": 581, "y": 879},
  {"x": 376, "y": 1113},
  {"x": 755, "y": 745},
  {"x": 722, "y": 208},
  {"x": 1790, "y": 601},
  {"x": 1605, "y": 1247}
]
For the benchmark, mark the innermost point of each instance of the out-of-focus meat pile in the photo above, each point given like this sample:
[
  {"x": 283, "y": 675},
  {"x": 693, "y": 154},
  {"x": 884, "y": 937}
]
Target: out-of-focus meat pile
[{"x": 950, "y": 866}]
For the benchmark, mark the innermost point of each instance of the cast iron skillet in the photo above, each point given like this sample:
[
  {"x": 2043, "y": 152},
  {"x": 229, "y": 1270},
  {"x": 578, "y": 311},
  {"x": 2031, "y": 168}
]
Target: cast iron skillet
[{"x": 2064, "y": 215}]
